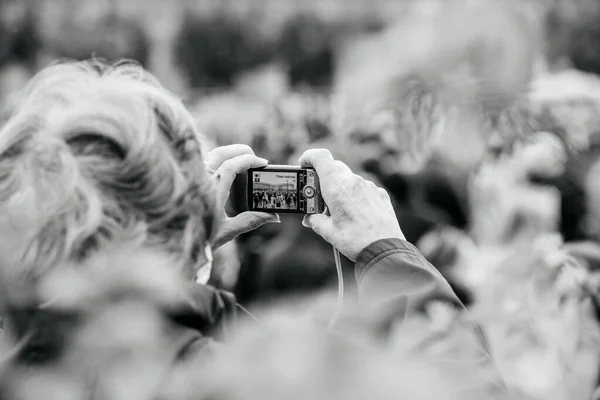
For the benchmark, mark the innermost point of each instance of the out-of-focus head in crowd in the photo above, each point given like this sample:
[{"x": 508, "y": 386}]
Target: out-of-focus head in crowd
[
  {"x": 572, "y": 34},
  {"x": 291, "y": 358},
  {"x": 91, "y": 154}
]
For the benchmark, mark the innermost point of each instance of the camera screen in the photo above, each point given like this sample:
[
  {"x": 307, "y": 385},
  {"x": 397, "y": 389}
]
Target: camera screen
[{"x": 273, "y": 190}]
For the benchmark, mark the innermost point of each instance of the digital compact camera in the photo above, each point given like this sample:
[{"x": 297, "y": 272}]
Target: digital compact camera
[{"x": 284, "y": 189}]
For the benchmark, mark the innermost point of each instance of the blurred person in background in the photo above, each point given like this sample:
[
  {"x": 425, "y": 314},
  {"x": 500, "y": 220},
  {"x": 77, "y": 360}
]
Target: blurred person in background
[
  {"x": 20, "y": 41},
  {"x": 212, "y": 51},
  {"x": 573, "y": 35},
  {"x": 20, "y": 46},
  {"x": 87, "y": 29}
]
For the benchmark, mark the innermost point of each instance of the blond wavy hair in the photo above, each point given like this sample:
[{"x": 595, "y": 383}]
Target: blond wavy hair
[{"x": 92, "y": 153}]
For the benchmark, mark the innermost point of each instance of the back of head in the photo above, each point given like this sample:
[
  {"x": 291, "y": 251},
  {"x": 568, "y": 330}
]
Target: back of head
[{"x": 92, "y": 153}]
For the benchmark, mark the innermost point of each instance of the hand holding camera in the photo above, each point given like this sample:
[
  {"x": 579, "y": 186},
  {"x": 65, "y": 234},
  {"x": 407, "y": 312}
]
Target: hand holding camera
[
  {"x": 359, "y": 212},
  {"x": 224, "y": 163}
]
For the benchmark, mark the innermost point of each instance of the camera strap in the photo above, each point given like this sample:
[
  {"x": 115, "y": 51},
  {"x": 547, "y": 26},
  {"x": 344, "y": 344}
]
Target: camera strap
[{"x": 340, "y": 298}]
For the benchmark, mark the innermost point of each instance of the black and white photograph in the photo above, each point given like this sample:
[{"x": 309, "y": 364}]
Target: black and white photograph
[
  {"x": 275, "y": 191},
  {"x": 300, "y": 199}
]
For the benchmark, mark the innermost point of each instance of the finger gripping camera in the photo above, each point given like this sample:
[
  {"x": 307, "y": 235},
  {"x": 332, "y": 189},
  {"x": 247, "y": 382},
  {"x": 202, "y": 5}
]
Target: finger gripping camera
[{"x": 284, "y": 189}]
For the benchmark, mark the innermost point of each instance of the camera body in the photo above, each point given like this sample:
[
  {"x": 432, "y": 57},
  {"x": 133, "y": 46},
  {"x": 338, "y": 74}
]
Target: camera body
[{"x": 284, "y": 189}]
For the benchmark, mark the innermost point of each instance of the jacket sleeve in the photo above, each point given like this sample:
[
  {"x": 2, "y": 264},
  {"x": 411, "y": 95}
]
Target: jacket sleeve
[
  {"x": 393, "y": 275},
  {"x": 395, "y": 281}
]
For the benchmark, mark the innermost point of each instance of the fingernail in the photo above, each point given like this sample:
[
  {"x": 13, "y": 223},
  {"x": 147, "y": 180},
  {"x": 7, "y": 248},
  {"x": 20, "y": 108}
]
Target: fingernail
[
  {"x": 264, "y": 160},
  {"x": 305, "y": 222},
  {"x": 276, "y": 219}
]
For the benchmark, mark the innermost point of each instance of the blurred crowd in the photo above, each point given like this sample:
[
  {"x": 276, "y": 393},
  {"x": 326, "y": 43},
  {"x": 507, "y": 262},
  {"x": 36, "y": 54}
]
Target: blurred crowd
[{"x": 481, "y": 119}]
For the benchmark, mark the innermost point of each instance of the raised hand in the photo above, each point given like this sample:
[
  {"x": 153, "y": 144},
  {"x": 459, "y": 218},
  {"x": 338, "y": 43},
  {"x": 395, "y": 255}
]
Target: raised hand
[{"x": 224, "y": 163}]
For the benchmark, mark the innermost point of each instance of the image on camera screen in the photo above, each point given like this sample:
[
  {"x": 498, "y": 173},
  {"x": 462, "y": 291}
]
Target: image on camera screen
[{"x": 275, "y": 190}]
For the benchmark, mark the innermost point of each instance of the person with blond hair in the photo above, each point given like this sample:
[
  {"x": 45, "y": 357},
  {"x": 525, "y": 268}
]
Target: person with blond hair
[
  {"x": 94, "y": 154},
  {"x": 91, "y": 153}
]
